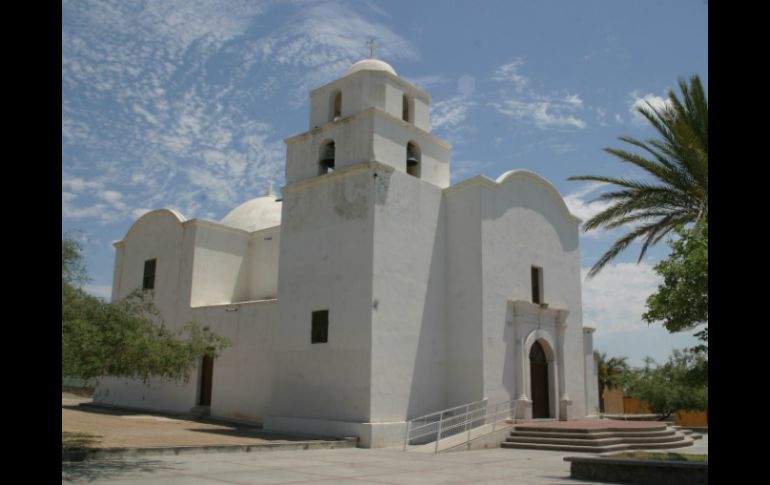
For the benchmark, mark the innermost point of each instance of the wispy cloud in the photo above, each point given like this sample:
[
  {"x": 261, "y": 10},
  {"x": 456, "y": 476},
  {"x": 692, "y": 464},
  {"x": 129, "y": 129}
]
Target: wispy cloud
[
  {"x": 447, "y": 118},
  {"x": 636, "y": 101},
  {"x": 579, "y": 204},
  {"x": 527, "y": 106},
  {"x": 510, "y": 72},
  {"x": 449, "y": 113},
  {"x": 601, "y": 116},
  {"x": 146, "y": 121},
  {"x": 542, "y": 111},
  {"x": 427, "y": 82},
  {"x": 614, "y": 300},
  {"x": 321, "y": 41}
]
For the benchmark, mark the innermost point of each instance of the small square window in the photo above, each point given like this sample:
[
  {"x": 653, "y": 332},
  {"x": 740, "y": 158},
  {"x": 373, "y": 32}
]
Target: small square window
[
  {"x": 148, "y": 281},
  {"x": 537, "y": 285},
  {"x": 320, "y": 331}
]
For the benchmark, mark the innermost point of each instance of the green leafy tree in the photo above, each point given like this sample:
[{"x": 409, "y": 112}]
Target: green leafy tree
[
  {"x": 127, "y": 338},
  {"x": 681, "y": 384},
  {"x": 677, "y": 193},
  {"x": 611, "y": 372},
  {"x": 682, "y": 299}
]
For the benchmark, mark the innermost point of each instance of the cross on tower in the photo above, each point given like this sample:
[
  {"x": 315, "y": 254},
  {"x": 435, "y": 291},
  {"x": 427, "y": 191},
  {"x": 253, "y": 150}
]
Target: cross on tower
[{"x": 372, "y": 45}]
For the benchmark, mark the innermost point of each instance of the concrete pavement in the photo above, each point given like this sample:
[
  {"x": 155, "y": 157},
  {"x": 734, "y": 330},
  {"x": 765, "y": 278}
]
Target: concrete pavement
[{"x": 345, "y": 466}]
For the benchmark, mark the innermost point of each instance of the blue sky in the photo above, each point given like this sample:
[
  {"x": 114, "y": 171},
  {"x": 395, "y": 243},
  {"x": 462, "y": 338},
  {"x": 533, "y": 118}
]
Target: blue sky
[{"x": 184, "y": 104}]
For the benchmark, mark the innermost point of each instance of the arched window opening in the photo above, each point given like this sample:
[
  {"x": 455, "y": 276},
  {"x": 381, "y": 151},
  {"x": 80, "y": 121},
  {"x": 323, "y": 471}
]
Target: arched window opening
[
  {"x": 413, "y": 159},
  {"x": 335, "y": 109},
  {"x": 326, "y": 163},
  {"x": 405, "y": 112}
]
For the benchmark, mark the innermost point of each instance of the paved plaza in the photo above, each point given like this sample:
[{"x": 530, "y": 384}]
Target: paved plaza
[
  {"x": 319, "y": 467},
  {"x": 343, "y": 466}
]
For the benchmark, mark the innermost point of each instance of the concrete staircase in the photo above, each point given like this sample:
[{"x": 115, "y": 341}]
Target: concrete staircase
[{"x": 599, "y": 440}]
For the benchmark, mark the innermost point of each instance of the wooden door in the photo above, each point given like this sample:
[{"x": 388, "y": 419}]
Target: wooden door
[
  {"x": 538, "y": 372},
  {"x": 207, "y": 373}
]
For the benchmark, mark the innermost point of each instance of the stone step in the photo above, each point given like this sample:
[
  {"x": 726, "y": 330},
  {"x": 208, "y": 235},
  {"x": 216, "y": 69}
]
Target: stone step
[
  {"x": 593, "y": 442},
  {"x": 598, "y": 449},
  {"x": 575, "y": 448},
  {"x": 662, "y": 446},
  {"x": 655, "y": 428},
  {"x": 597, "y": 434}
]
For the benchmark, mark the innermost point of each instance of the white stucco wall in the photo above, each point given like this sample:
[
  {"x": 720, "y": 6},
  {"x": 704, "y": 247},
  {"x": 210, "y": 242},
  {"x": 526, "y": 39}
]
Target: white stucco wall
[
  {"x": 366, "y": 89},
  {"x": 427, "y": 286},
  {"x": 352, "y": 138},
  {"x": 325, "y": 263},
  {"x": 370, "y": 135},
  {"x": 525, "y": 223},
  {"x": 408, "y": 307},
  {"x": 591, "y": 372},
  {"x": 242, "y": 377},
  {"x": 263, "y": 263},
  {"x": 220, "y": 264},
  {"x": 464, "y": 290},
  {"x": 162, "y": 235},
  {"x": 391, "y": 137}
]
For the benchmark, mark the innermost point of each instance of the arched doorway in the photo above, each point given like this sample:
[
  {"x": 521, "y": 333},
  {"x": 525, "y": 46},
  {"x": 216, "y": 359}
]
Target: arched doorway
[{"x": 538, "y": 373}]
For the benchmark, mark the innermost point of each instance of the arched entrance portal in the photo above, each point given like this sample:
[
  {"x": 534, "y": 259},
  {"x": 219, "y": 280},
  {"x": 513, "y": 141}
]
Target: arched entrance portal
[{"x": 538, "y": 372}]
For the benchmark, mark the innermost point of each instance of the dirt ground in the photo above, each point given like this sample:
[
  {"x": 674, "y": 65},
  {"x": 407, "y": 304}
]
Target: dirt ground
[{"x": 128, "y": 429}]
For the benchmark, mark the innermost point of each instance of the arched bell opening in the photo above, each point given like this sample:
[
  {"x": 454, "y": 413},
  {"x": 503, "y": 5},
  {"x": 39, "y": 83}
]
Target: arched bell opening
[
  {"x": 326, "y": 158},
  {"x": 335, "y": 106}
]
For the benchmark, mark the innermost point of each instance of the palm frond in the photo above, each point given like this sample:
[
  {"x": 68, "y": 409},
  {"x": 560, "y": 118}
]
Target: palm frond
[{"x": 677, "y": 161}]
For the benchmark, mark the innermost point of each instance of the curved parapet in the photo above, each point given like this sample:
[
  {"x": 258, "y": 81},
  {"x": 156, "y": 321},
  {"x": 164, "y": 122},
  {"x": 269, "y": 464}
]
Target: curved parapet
[
  {"x": 168, "y": 213},
  {"x": 550, "y": 188}
]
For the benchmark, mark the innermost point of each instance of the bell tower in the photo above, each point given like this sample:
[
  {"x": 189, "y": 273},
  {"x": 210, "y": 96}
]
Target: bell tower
[
  {"x": 362, "y": 231},
  {"x": 368, "y": 115}
]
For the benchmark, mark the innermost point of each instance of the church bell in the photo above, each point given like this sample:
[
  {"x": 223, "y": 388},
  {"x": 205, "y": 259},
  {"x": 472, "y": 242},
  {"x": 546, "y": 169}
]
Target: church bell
[
  {"x": 411, "y": 157},
  {"x": 327, "y": 159}
]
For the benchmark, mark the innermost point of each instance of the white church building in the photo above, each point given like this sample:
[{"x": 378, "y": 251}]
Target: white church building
[{"x": 374, "y": 291}]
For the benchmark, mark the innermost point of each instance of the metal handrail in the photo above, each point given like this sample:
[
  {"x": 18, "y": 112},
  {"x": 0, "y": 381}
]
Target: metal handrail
[{"x": 449, "y": 422}]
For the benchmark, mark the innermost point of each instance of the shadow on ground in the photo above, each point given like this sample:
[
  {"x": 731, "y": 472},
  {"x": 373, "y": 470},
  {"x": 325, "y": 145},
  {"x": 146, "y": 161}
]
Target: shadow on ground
[
  {"x": 88, "y": 471},
  {"x": 255, "y": 433}
]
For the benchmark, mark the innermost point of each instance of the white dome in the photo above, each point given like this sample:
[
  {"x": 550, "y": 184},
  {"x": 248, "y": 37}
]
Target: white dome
[
  {"x": 256, "y": 214},
  {"x": 371, "y": 65}
]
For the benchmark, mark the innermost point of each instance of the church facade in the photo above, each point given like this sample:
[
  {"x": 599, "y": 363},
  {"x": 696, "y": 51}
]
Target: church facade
[{"x": 374, "y": 291}]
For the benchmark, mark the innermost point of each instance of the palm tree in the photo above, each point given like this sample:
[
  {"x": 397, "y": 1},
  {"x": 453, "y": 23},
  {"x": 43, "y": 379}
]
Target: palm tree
[
  {"x": 678, "y": 162},
  {"x": 611, "y": 372}
]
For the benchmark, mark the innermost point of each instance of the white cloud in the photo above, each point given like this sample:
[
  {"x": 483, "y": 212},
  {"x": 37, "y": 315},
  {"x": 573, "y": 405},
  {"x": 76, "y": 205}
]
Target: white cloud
[
  {"x": 601, "y": 116},
  {"x": 139, "y": 212},
  {"x": 648, "y": 100},
  {"x": 579, "y": 205},
  {"x": 79, "y": 185},
  {"x": 449, "y": 113},
  {"x": 323, "y": 50},
  {"x": 574, "y": 100},
  {"x": 427, "y": 82},
  {"x": 510, "y": 72},
  {"x": 543, "y": 111},
  {"x": 614, "y": 300},
  {"x": 111, "y": 196},
  {"x": 618, "y": 118},
  {"x": 167, "y": 114}
]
